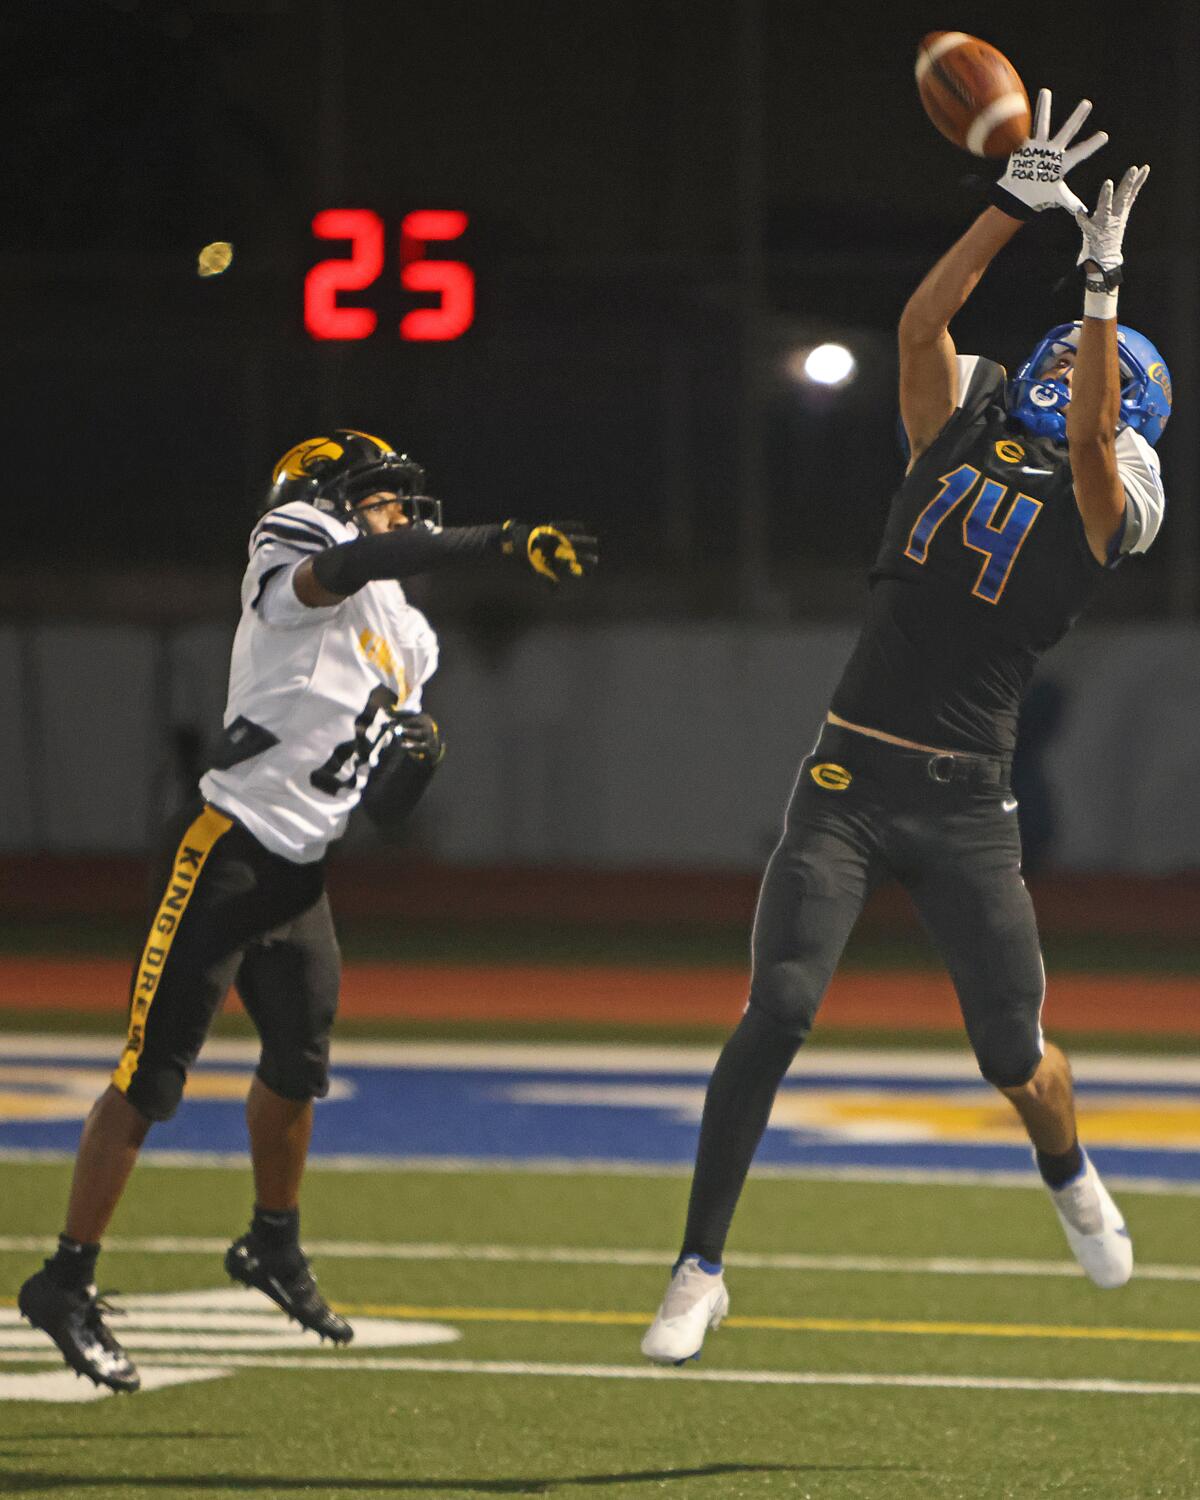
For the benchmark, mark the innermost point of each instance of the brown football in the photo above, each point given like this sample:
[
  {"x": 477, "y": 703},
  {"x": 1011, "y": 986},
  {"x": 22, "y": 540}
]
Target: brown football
[{"x": 972, "y": 93}]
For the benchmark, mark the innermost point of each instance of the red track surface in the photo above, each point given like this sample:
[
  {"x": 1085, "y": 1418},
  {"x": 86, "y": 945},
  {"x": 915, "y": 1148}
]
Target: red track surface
[
  {"x": 41, "y": 886},
  {"x": 1128, "y": 1004}
]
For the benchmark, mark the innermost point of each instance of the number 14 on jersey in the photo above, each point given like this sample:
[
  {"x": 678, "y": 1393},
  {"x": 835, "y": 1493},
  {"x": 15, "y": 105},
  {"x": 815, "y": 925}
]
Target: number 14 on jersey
[{"x": 998, "y": 541}]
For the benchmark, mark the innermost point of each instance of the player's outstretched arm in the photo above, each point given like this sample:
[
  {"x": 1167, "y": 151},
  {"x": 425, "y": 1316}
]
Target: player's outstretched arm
[
  {"x": 554, "y": 550},
  {"x": 928, "y": 372},
  {"x": 1095, "y": 405},
  {"x": 1033, "y": 180}
]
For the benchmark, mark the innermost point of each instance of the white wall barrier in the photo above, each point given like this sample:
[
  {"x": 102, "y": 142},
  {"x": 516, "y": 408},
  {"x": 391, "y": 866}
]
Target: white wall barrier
[{"x": 631, "y": 746}]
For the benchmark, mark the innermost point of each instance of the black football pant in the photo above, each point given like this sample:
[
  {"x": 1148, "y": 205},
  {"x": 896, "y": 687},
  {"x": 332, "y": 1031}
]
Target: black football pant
[
  {"x": 862, "y": 812},
  {"x": 224, "y": 909}
]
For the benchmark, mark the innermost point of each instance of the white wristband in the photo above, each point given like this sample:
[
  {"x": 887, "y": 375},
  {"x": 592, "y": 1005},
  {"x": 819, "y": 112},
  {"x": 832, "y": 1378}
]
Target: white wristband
[{"x": 1100, "y": 304}]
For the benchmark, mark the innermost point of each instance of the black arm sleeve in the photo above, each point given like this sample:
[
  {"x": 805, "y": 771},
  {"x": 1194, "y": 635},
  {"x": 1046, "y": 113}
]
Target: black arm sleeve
[{"x": 398, "y": 554}]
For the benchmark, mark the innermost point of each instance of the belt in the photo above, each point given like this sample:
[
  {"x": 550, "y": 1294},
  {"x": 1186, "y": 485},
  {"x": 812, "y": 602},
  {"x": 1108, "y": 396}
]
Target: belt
[{"x": 945, "y": 768}]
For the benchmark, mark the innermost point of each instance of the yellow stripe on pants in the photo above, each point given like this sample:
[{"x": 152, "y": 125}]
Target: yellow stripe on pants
[{"x": 194, "y": 848}]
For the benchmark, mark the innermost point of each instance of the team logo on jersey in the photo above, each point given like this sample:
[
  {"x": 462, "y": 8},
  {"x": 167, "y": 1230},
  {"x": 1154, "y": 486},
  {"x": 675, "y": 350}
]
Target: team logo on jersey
[
  {"x": 832, "y": 777},
  {"x": 1009, "y": 452},
  {"x": 380, "y": 654}
]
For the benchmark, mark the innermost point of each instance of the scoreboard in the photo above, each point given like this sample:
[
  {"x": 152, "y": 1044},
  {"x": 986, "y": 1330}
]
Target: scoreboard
[{"x": 422, "y": 267}]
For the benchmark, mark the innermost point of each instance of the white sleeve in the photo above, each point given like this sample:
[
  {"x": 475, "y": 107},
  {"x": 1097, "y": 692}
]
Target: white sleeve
[
  {"x": 966, "y": 369},
  {"x": 980, "y": 382},
  {"x": 274, "y": 598},
  {"x": 281, "y": 541},
  {"x": 1141, "y": 479}
]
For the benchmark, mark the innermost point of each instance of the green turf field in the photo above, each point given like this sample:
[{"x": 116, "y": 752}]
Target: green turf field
[{"x": 376, "y": 1422}]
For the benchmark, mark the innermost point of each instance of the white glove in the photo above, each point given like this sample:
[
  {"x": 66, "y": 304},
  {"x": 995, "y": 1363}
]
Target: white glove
[
  {"x": 1104, "y": 230},
  {"x": 1033, "y": 178}
]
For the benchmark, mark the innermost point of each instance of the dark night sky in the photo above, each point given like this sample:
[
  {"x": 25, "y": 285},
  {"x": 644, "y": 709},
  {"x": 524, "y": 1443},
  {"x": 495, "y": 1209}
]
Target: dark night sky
[{"x": 596, "y": 150}]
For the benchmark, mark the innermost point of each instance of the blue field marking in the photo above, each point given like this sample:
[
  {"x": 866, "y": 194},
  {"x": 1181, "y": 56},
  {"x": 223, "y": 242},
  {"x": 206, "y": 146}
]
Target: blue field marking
[{"x": 897, "y": 1112}]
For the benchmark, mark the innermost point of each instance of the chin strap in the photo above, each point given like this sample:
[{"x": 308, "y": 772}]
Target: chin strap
[{"x": 1050, "y": 423}]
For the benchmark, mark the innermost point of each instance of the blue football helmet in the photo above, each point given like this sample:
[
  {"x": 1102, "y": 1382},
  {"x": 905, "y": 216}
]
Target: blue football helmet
[{"x": 1040, "y": 406}]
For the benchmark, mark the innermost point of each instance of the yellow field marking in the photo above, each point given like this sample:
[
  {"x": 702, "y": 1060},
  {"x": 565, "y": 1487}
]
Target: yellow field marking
[
  {"x": 585, "y": 1317},
  {"x": 550, "y": 1315},
  {"x": 1127, "y": 1119}
]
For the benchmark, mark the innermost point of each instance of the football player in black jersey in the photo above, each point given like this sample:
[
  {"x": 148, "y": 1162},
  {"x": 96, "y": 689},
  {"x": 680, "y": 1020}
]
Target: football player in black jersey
[{"x": 1017, "y": 500}]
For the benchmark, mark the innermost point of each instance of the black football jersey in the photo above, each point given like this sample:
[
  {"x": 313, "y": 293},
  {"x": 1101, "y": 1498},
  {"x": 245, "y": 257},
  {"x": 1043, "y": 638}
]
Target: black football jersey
[{"x": 984, "y": 565}]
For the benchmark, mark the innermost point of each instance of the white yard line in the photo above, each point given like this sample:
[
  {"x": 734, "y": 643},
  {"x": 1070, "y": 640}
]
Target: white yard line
[
  {"x": 557, "y": 1166},
  {"x": 344, "y": 1364},
  {"x": 607, "y": 1057},
  {"x": 570, "y": 1255}
]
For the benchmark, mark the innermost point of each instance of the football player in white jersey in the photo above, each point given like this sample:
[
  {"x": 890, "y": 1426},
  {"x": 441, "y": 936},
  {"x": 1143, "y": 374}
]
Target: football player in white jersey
[{"x": 324, "y": 711}]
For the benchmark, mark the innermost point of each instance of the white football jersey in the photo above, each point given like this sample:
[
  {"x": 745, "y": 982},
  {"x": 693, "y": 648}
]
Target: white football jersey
[
  {"x": 313, "y": 693},
  {"x": 1141, "y": 479}
]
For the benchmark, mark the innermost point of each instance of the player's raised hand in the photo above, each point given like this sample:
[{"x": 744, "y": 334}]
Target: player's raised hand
[
  {"x": 1104, "y": 229},
  {"x": 1033, "y": 180},
  {"x": 556, "y": 550}
]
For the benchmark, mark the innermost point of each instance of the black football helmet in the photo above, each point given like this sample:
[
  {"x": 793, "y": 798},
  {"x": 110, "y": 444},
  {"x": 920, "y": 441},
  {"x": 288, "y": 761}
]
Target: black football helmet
[{"x": 335, "y": 472}]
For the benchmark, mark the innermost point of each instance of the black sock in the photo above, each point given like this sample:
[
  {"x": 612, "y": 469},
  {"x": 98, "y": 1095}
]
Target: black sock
[
  {"x": 736, "y": 1110},
  {"x": 277, "y": 1231},
  {"x": 73, "y": 1264},
  {"x": 1057, "y": 1170}
]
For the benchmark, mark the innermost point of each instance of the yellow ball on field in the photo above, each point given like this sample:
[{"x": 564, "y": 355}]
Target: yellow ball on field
[{"x": 214, "y": 258}]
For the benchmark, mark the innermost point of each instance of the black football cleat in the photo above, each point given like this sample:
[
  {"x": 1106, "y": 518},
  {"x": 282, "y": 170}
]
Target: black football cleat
[
  {"x": 290, "y": 1283},
  {"x": 74, "y": 1319}
]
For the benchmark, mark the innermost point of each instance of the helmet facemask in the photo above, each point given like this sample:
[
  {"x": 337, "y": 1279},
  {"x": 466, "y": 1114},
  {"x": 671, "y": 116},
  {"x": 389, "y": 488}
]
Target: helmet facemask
[
  {"x": 421, "y": 510},
  {"x": 396, "y": 476}
]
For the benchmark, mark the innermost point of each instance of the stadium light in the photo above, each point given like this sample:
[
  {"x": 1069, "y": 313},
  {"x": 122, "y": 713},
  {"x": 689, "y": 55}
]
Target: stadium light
[{"x": 827, "y": 365}]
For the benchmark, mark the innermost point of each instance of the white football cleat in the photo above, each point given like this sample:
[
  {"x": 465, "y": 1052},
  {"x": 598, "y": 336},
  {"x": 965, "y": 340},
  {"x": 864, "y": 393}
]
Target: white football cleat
[
  {"x": 1094, "y": 1227},
  {"x": 696, "y": 1301}
]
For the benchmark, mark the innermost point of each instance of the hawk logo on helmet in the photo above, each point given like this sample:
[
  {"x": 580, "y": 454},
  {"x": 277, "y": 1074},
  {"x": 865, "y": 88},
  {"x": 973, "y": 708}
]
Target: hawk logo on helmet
[
  {"x": 307, "y": 458},
  {"x": 338, "y": 470},
  {"x": 312, "y": 455}
]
